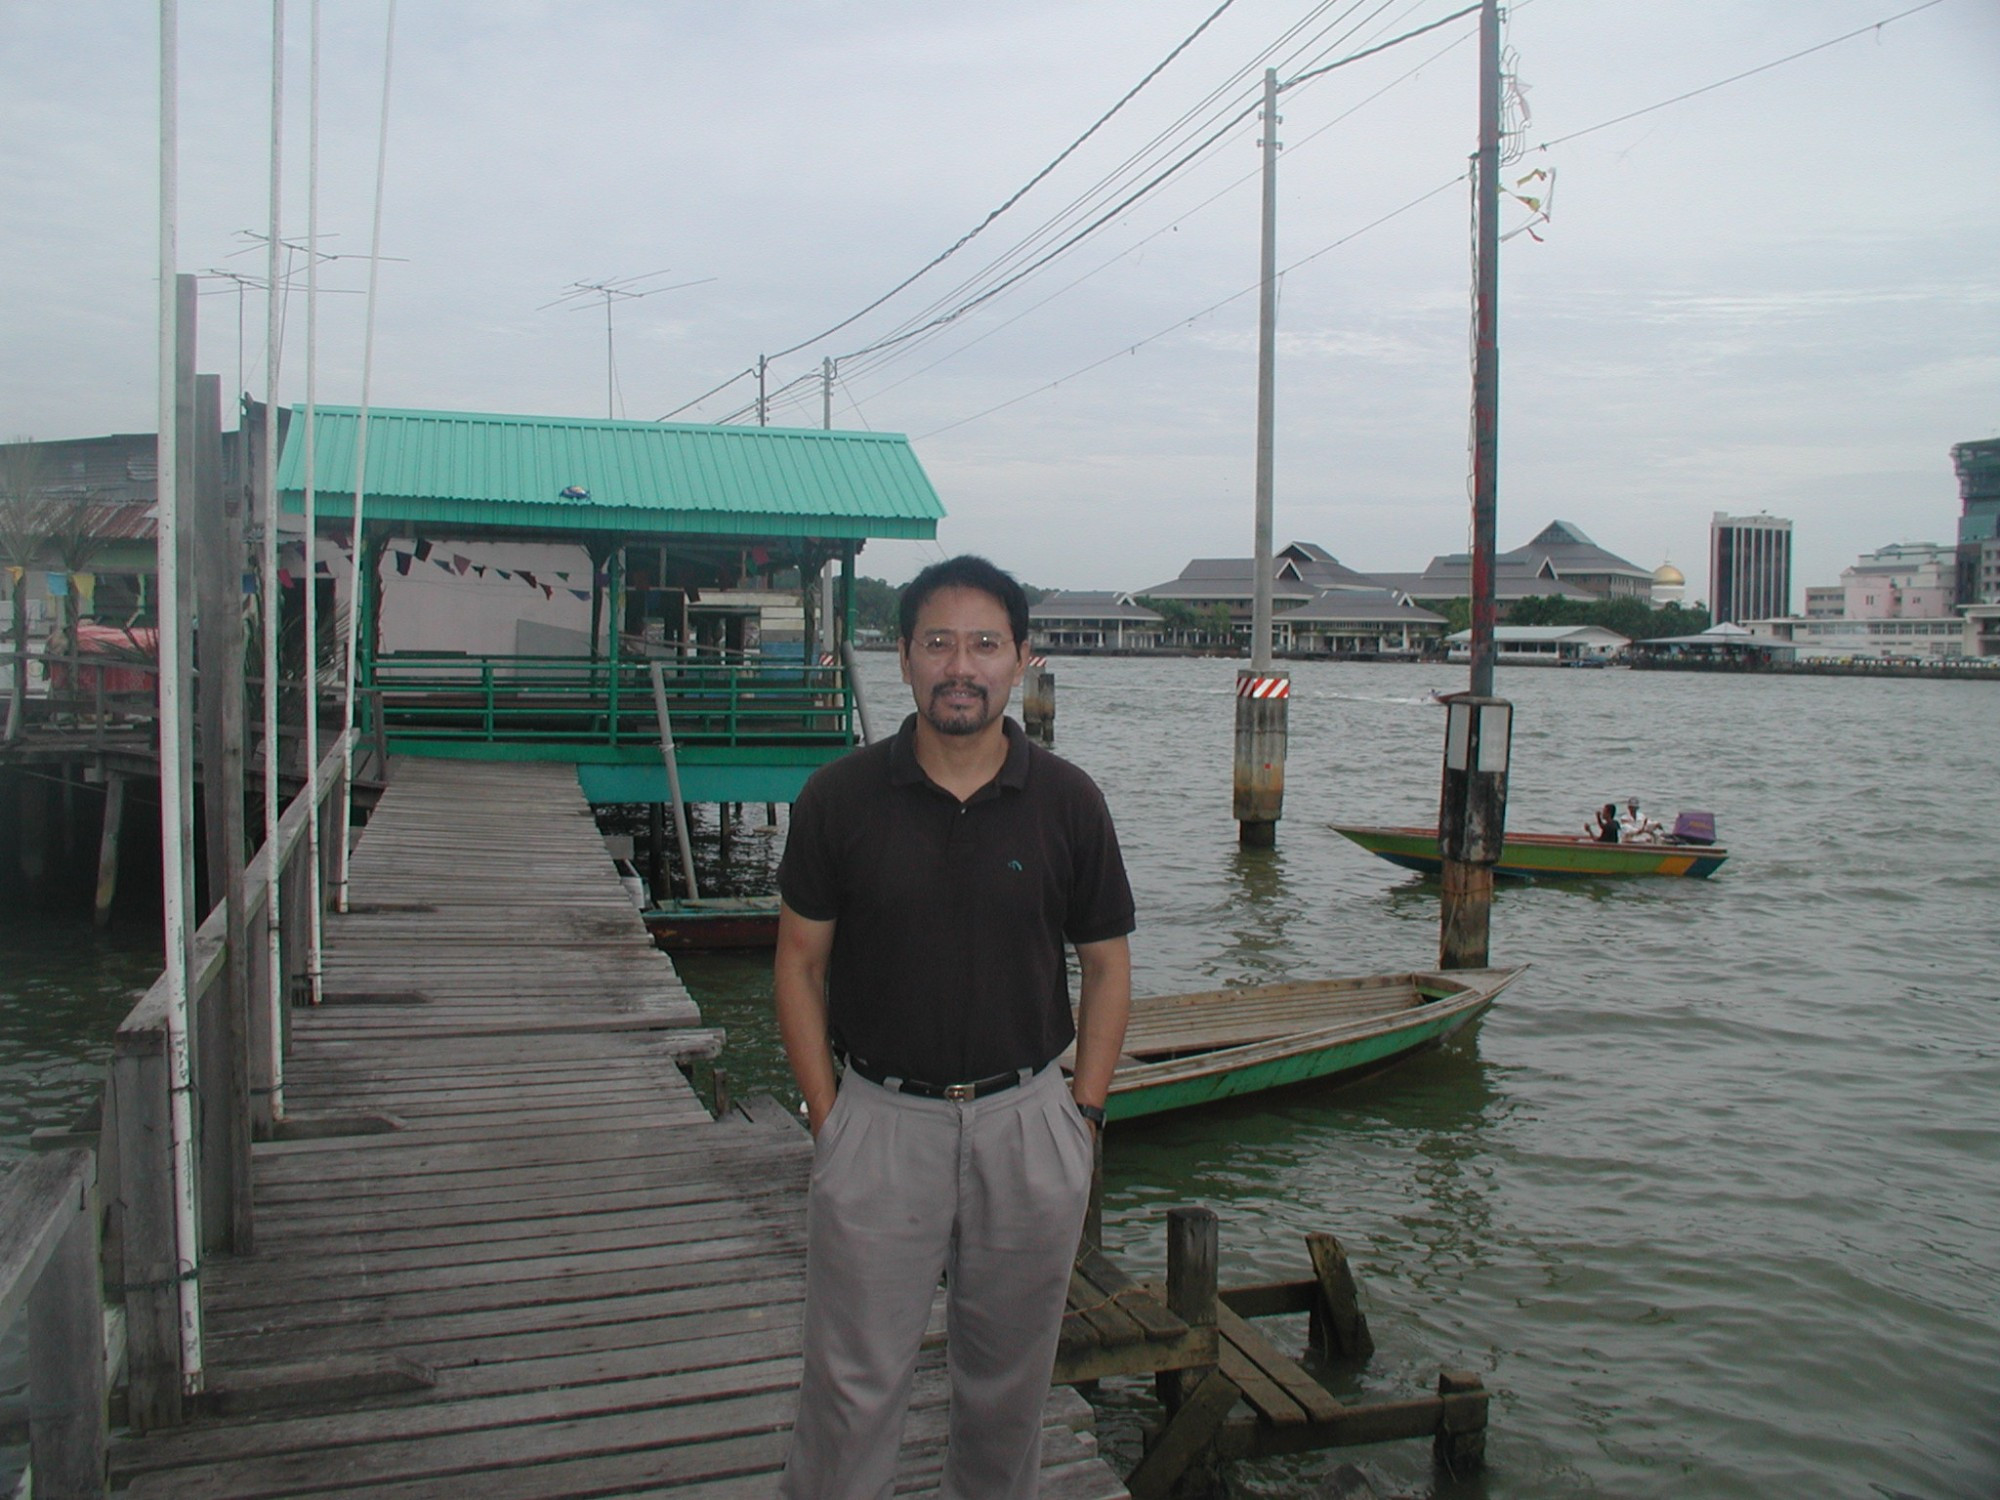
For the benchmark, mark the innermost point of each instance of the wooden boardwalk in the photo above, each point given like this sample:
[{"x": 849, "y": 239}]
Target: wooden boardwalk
[{"x": 503, "y": 1250}]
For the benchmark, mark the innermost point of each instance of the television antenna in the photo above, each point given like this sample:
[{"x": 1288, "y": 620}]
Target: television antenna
[{"x": 579, "y": 296}]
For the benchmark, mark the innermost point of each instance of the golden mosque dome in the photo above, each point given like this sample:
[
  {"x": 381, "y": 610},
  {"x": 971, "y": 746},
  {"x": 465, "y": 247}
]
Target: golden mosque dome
[{"x": 1666, "y": 575}]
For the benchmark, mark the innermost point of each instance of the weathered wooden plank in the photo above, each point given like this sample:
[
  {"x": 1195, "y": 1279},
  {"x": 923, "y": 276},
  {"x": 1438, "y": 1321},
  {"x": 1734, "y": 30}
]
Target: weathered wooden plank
[{"x": 604, "y": 1285}]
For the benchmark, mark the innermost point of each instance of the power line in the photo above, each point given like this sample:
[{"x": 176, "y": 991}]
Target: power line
[
  {"x": 1709, "y": 88},
  {"x": 1240, "y": 181},
  {"x": 1019, "y": 193},
  {"x": 1213, "y": 307}
]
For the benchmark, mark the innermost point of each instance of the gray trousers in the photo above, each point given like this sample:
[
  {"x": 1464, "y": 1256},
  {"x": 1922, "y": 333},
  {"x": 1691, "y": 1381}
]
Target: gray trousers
[{"x": 991, "y": 1193}]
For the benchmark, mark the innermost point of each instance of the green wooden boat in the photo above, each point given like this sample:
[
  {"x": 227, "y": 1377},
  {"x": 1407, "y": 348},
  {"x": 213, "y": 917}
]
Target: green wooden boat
[
  {"x": 1188, "y": 1050},
  {"x": 1543, "y": 853}
]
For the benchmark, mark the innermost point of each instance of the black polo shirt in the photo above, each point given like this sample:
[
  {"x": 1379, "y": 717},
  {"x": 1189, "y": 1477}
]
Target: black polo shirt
[{"x": 947, "y": 958}]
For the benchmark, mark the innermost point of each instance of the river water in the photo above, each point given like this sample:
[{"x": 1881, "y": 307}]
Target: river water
[{"x": 1711, "y": 1199}]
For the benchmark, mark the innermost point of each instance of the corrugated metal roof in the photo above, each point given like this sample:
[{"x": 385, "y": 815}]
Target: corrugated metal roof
[{"x": 488, "y": 471}]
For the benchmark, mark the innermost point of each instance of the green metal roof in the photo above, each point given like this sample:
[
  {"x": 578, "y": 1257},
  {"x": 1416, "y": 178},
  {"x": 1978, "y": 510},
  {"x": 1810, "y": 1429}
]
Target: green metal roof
[{"x": 485, "y": 472}]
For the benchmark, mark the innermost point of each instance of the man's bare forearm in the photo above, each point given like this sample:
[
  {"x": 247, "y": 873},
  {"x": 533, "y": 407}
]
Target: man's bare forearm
[
  {"x": 1104, "y": 1003},
  {"x": 798, "y": 987}
]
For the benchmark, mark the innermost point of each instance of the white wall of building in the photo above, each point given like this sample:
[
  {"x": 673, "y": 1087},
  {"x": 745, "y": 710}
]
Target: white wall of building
[{"x": 439, "y": 608}]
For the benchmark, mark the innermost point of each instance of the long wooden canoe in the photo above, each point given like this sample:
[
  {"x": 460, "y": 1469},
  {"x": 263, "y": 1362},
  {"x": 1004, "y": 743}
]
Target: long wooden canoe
[
  {"x": 714, "y": 922},
  {"x": 1188, "y": 1050},
  {"x": 1543, "y": 853}
]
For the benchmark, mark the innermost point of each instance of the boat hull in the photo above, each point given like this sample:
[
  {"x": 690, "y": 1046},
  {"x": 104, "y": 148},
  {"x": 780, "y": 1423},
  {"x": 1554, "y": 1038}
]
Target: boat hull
[
  {"x": 1369, "y": 1024},
  {"x": 718, "y": 922},
  {"x": 1543, "y": 854}
]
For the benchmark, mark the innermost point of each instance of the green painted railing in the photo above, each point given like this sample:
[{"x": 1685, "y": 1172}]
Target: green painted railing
[{"x": 563, "y": 700}]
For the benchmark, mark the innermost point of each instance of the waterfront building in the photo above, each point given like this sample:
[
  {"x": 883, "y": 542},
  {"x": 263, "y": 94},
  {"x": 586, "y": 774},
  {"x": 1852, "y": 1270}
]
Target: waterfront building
[
  {"x": 1545, "y": 645},
  {"x": 1893, "y": 602},
  {"x": 1449, "y": 577},
  {"x": 1904, "y": 580},
  {"x": 1749, "y": 567},
  {"x": 1561, "y": 551},
  {"x": 1360, "y": 622},
  {"x": 1300, "y": 573},
  {"x": 1934, "y": 639},
  {"x": 1093, "y": 620},
  {"x": 1978, "y": 552},
  {"x": 92, "y": 544}
]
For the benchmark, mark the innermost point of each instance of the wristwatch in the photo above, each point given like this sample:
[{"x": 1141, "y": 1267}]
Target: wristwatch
[{"x": 1093, "y": 1113}]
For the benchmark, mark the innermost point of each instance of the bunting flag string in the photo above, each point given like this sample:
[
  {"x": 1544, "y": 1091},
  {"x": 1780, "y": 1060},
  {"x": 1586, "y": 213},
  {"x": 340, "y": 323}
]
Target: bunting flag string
[{"x": 457, "y": 564}]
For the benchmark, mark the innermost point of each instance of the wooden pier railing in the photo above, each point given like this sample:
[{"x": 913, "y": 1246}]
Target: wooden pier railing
[
  {"x": 239, "y": 1095},
  {"x": 49, "y": 1267},
  {"x": 98, "y": 1217}
]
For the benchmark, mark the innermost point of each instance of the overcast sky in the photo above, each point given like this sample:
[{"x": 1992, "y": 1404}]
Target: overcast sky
[{"x": 1782, "y": 295}]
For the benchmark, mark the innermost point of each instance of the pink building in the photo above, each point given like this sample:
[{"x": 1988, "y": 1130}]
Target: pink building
[{"x": 1903, "y": 581}]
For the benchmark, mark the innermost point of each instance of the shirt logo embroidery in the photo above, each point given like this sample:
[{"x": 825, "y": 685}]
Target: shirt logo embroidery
[{"x": 1014, "y": 865}]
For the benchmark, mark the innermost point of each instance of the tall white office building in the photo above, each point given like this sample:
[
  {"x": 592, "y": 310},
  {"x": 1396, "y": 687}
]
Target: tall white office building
[{"x": 1749, "y": 568}]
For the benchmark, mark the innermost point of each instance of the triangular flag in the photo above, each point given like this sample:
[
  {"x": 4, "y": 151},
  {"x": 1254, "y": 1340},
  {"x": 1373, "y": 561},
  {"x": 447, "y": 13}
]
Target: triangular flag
[
  {"x": 461, "y": 563},
  {"x": 423, "y": 551}
]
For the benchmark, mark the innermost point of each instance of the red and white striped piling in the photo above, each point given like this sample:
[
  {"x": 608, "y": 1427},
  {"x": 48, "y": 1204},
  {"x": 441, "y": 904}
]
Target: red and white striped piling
[{"x": 1263, "y": 702}]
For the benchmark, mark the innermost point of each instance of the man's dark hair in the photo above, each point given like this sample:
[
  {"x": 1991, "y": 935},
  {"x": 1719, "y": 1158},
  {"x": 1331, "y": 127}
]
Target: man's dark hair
[{"x": 964, "y": 572}]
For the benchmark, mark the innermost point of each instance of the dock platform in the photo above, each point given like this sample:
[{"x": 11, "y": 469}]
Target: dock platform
[{"x": 502, "y": 1249}]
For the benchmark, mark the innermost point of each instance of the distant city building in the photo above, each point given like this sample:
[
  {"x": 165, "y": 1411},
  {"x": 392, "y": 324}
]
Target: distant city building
[
  {"x": 1669, "y": 585},
  {"x": 1093, "y": 620},
  {"x": 1560, "y": 550},
  {"x": 1978, "y": 467},
  {"x": 1545, "y": 645},
  {"x": 1449, "y": 577},
  {"x": 1904, "y": 580},
  {"x": 1360, "y": 622},
  {"x": 1749, "y": 568},
  {"x": 1300, "y": 573},
  {"x": 1825, "y": 601}
]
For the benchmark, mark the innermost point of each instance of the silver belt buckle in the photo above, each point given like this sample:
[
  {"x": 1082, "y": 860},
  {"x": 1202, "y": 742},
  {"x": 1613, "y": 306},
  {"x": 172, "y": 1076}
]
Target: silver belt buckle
[{"x": 961, "y": 1093}]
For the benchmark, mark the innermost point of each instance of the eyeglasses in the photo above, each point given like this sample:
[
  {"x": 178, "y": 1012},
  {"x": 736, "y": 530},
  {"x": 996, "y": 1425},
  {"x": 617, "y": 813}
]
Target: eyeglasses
[{"x": 982, "y": 644}]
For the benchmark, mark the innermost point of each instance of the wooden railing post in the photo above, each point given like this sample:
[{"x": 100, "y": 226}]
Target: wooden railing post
[
  {"x": 48, "y": 1261},
  {"x": 1193, "y": 1239},
  {"x": 143, "y": 1097}
]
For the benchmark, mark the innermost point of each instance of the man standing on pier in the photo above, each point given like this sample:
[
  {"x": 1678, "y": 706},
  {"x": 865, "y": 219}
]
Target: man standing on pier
[{"x": 930, "y": 883}]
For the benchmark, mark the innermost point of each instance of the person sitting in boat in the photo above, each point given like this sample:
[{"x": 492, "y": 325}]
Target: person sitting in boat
[
  {"x": 1635, "y": 827},
  {"x": 1604, "y": 827}
]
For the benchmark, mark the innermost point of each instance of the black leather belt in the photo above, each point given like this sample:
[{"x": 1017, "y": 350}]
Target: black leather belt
[{"x": 958, "y": 1093}]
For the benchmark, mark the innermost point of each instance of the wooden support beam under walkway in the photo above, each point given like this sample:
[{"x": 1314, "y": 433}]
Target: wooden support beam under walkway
[{"x": 502, "y": 1248}]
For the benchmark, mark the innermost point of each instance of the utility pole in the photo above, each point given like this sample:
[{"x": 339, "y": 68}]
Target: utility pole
[
  {"x": 1479, "y": 728},
  {"x": 1486, "y": 356},
  {"x": 1263, "y": 697},
  {"x": 826, "y": 394},
  {"x": 761, "y": 406}
]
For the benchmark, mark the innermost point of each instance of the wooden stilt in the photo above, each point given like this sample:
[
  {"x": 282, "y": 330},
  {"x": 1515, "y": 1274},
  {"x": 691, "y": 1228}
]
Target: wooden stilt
[
  {"x": 1192, "y": 1236},
  {"x": 656, "y": 852},
  {"x": 1459, "y": 1446},
  {"x": 1337, "y": 1327},
  {"x": 34, "y": 853},
  {"x": 108, "y": 844}
]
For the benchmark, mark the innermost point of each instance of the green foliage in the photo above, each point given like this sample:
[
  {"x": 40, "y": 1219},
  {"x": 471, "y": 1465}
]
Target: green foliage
[
  {"x": 1630, "y": 616},
  {"x": 1458, "y": 615},
  {"x": 875, "y": 605}
]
